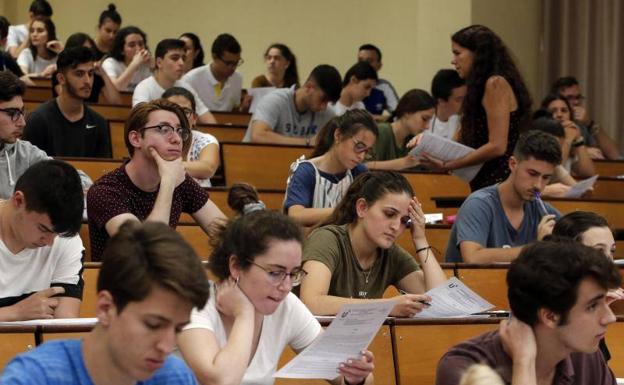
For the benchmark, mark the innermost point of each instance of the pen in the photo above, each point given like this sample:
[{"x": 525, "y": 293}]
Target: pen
[
  {"x": 403, "y": 292},
  {"x": 540, "y": 202}
]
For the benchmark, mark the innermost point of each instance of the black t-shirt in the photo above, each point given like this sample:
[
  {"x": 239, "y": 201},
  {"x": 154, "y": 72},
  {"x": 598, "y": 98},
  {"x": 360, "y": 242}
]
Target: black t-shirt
[
  {"x": 49, "y": 130},
  {"x": 7, "y": 63},
  {"x": 96, "y": 89}
]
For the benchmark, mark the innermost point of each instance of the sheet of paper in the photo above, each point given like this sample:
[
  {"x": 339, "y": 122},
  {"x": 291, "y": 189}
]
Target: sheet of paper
[
  {"x": 351, "y": 331},
  {"x": 580, "y": 187},
  {"x": 257, "y": 94},
  {"x": 446, "y": 150},
  {"x": 55, "y": 321},
  {"x": 453, "y": 299}
]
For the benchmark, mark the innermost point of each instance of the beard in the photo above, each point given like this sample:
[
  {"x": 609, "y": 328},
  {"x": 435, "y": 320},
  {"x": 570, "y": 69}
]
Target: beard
[{"x": 74, "y": 92}]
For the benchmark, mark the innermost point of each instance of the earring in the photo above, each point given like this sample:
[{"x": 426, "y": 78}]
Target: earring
[{"x": 236, "y": 280}]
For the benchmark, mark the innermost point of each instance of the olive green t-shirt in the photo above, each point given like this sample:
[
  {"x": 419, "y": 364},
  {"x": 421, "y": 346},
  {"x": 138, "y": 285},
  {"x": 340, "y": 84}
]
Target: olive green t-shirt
[
  {"x": 385, "y": 146},
  {"x": 331, "y": 246}
]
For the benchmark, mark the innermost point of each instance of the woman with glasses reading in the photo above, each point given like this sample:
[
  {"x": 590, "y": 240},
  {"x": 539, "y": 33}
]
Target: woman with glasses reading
[
  {"x": 251, "y": 316},
  {"x": 353, "y": 257},
  {"x": 316, "y": 185}
]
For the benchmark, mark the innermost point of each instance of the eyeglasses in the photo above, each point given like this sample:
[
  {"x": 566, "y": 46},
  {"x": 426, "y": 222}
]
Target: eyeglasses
[
  {"x": 167, "y": 131},
  {"x": 360, "y": 147},
  {"x": 14, "y": 113},
  {"x": 233, "y": 63},
  {"x": 278, "y": 276}
]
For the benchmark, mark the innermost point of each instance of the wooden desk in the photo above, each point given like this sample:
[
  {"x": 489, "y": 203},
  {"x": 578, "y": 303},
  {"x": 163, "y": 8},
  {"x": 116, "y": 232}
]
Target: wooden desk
[
  {"x": 236, "y": 118},
  {"x": 427, "y": 185},
  {"x": 609, "y": 167}
]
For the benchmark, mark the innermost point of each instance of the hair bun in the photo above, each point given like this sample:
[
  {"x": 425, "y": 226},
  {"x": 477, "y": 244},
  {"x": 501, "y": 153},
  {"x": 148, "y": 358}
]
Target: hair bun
[{"x": 111, "y": 7}]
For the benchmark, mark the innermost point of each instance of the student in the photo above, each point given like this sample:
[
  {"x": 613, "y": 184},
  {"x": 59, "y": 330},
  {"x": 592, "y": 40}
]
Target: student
[
  {"x": 293, "y": 115},
  {"x": 448, "y": 90},
  {"x": 494, "y": 223},
  {"x": 354, "y": 257},
  {"x": 194, "y": 51},
  {"x": 316, "y": 186},
  {"x": 243, "y": 199},
  {"x": 66, "y": 126},
  {"x": 168, "y": 72},
  {"x": 281, "y": 65},
  {"x": 251, "y": 316},
  {"x": 39, "y": 60},
  {"x": 202, "y": 158},
  {"x": 7, "y": 62},
  {"x": 557, "y": 294},
  {"x": 40, "y": 250},
  {"x": 153, "y": 185},
  {"x": 108, "y": 25},
  {"x": 411, "y": 117},
  {"x": 18, "y": 40},
  {"x": 218, "y": 84},
  {"x": 129, "y": 60},
  {"x": 383, "y": 96},
  {"x": 149, "y": 281},
  {"x": 587, "y": 228},
  {"x": 357, "y": 85}
]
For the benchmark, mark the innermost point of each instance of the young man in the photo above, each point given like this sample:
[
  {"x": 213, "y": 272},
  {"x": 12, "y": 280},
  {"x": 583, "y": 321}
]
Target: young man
[
  {"x": 600, "y": 143},
  {"x": 218, "y": 84},
  {"x": 494, "y": 223},
  {"x": 149, "y": 281},
  {"x": 383, "y": 96},
  {"x": 153, "y": 184},
  {"x": 293, "y": 116},
  {"x": 7, "y": 62},
  {"x": 557, "y": 294},
  {"x": 65, "y": 126},
  {"x": 42, "y": 272},
  {"x": 448, "y": 90},
  {"x": 170, "y": 55},
  {"x": 18, "y": 39}
]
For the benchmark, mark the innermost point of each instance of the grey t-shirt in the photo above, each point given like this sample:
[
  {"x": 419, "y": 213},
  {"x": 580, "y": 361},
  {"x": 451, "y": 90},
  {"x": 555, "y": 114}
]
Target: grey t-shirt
[
  {"x": 278, "y": 110},
  {"x": 481, "y": 219}
]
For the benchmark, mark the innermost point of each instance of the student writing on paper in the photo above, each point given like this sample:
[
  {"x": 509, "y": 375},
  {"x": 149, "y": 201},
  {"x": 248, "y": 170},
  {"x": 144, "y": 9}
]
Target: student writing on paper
[
  {"x": 354, "y": 256},
  {"x": 251, "y": 316}
]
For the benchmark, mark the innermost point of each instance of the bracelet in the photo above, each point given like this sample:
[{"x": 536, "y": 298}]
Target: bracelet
[
  {"x": 578, "y": 142},
  {"x": 423, "y": 249}
]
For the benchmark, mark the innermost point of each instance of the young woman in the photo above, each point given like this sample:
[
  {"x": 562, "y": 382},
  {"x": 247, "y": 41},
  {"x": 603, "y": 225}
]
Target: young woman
[
  {"x": 281, "y": 66},
  {"x": 194, "y": 51},
  {"x": 251, "y": 316},
  {"x": 129, "y": 60},
  {"x": 576, "y": 158},
  {"x": 39, "y": 60},
  {"x": 411, "y": 117},
  {"x": 315, "y": 186},
  {"x": 357, "y": 84},
  {"x": 202, "y": 159},
  {"x": 108, "y": 25},
  {"x": 496, "y": 107},
  {"x": 354, "y": 257}
]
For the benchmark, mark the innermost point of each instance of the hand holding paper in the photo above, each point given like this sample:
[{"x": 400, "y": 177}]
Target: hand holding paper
[{"x": 453, "y": 299}]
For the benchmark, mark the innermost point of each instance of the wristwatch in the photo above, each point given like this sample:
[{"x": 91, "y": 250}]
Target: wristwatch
[{"x": 578, "y": 142}]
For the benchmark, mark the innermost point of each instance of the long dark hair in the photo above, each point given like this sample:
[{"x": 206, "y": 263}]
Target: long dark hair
[
  {"x": 491, "y": 57},
  {"x": 348, "y": 124},
  {"x": 413, "y": 101},
  {"x": 120, "y": 40},
  {"x": 291, "y": 76},
  {"x": 50, "y": 29},
  {"x": 198, "y": 60},
  {"x": 574, "y": 224},
  {"x": 551, "y": 98}
]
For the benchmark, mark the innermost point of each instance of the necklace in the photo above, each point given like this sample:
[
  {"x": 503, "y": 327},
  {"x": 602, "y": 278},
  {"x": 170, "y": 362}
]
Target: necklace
[{"x": 367, "y": 274}]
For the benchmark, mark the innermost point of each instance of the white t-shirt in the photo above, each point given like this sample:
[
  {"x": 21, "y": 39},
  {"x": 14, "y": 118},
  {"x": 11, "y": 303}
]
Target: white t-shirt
[
  {"x": 204, "y": 82},
  {"x": 149, "y": 89},
  {"x": 17, "y": 34},
  {"x": 25, "y": 60},
  {"x": 444, "y": 129},
  {"x": 200, "y": 140},
  {"x": 32, "y": 270},
  {"x": 291, "y": 324},
  {"x": 114, "y": 68},
  {"x": 339, "y": 108}
]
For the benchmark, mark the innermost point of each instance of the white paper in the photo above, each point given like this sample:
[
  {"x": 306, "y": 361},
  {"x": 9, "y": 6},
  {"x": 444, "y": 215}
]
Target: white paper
[
  {"x": 54, "y": 321},
  {"x": 350, "y": 332},
  {"x": 433, "y": 218},
  {"x": 453, "y": 299},
  {"x": 580, "y": 187},
  {"x": 446, "y": 150},
  {"x": 257, "y": 94}
]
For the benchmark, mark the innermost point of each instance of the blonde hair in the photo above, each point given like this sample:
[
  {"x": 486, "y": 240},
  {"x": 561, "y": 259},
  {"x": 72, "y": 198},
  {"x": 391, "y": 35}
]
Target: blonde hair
[{"x": 479, "y": 374}]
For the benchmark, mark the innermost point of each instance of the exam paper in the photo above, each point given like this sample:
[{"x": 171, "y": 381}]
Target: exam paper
[
  {"x": 446, "y": 150},
  {"x": 580, "y": 187},
  {"x": 453, "y": 299},
  {"x": 350, "y": 332},
  {"x": 257, "y": 94},
  {"x": 54, "y": 321}
]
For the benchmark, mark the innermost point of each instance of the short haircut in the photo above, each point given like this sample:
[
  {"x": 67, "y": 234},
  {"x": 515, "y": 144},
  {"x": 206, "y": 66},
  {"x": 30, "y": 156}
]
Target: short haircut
[
  {"x": 574, "y": 224},
  {"x": 538, "y": 145},
  {"x": 167, "y": 45},
  {"x": 10, "y": 86},
  {"x": 548, "y": 125},
  {"x": 140, "y": 115},
  {"x": 547, "y": 274},
  {"x": 53, "y": 187},
  {"x": 142, "y": 256},
  {"x": 71, "y": 57},
  {"x": 362, "y": 71},
  {"x": 563, "y": 82},
  {"x": 120, "y": 40},
  {"x": 4, "y": 27},
  {"x": 180, "y": 91},
  {"x": 225, "y": 43},
  {"x": 111, "y": 14},
  {"x": 328, "y": 79},
  {"x": 41, "y": 8},
  {"x": 444, "y": 82},
  {"x": 371, "y": 47}
]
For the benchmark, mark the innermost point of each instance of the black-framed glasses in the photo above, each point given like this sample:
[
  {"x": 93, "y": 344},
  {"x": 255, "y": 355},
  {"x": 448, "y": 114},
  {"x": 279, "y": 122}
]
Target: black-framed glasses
[
  {"x": 278, "y": 276},
  {"x": 167, "y": 131},
  {"x": 362, "y": 148},
  {"x": 14, "y": 113},
  {"x": 233, "y": 63}
]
